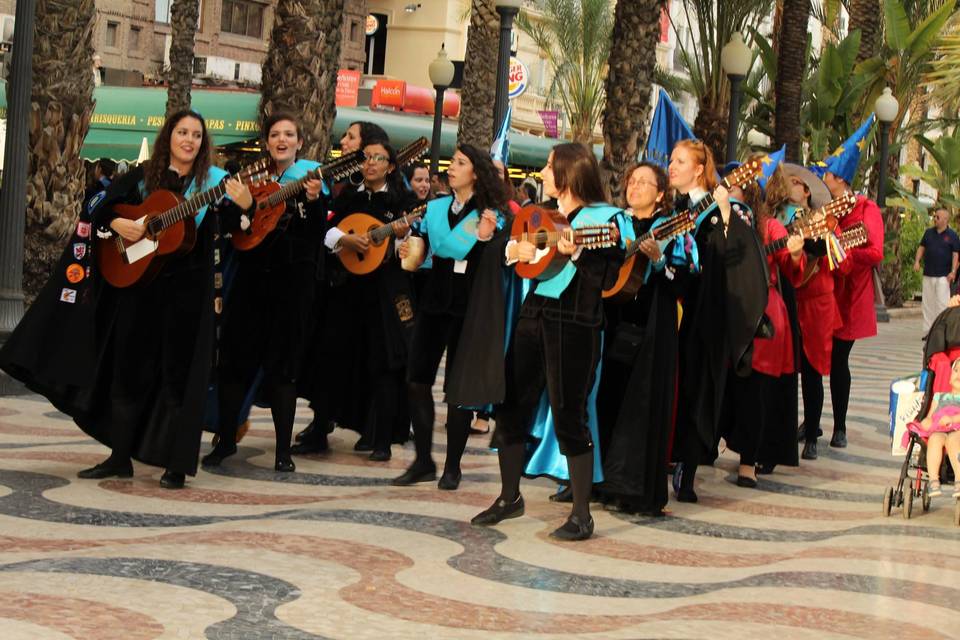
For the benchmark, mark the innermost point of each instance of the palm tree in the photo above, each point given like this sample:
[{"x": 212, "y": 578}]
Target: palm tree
[
  {"x": 183, "y": 29},
  {"x": 629, "y": 83},
  {"x": 866, "y": 16},
  {"x": 944, "y": 76},
  {"x": 791, "y": 63},
  {"x": 300, "y": 71},
  {"x": 575, "y": 38},
  {"x": 714, "y": 23},
  {"x": 62, "y": 97},
  {"x": 480, "y": 75}
]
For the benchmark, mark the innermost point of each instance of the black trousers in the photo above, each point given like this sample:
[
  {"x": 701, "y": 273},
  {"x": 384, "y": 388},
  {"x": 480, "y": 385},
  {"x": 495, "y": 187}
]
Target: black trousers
[
  {"x": 840, "y": 382},
  {"x": 748, "y": 403},
  {"x": 561, "y": 357},
  {"x": 812, "y": 384}
]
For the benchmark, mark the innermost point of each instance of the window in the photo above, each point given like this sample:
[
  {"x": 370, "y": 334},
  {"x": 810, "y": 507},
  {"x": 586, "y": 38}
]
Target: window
[
  {"x": 354, "y": 31},
  {"x": 162, "y": 10},
  {"x": 134, "y": 38},
  {"x": 236, "y": 71},
  {"x": 243, "y": 18},
  {"x": 112, "y": 29}
]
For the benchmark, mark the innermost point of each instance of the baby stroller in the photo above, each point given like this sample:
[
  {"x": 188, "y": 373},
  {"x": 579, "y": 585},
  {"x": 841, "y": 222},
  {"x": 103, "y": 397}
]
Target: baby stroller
[{"x": 941, "y": 359}]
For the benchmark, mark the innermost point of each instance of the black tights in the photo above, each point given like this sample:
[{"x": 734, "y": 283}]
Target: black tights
[
  {"x": 422, "y": 415},
  {"x": 812, "y": 384},
  {"x": 840, "y": 382},
  {"x": 512, "y": 461},
  {"x": 279, "y": 392}
]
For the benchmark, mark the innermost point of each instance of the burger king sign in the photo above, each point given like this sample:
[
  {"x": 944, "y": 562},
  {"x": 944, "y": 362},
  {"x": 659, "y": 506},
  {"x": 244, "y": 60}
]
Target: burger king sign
[{"x": 518, "y": 79}]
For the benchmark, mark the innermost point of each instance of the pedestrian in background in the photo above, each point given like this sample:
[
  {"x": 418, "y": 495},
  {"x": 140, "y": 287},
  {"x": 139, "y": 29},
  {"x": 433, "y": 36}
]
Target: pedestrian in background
[{"x": 939, "y": 249}]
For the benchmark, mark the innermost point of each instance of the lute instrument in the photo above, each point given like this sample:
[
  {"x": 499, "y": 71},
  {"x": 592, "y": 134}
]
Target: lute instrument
[
  {"x": 170, "y": 230},
  {"x": 855, "y": 236},
  {"x": 832, "y": 212},
  {"x": 270, "y": 199},
  {"x": 543, "y": 228},
  {"x": 363, "y": 262},
  {"x": 636, "y": 266}
]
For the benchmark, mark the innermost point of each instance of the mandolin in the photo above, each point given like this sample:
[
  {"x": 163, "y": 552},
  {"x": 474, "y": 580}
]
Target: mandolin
[
  {"x": 361, "y": 263},
  {"x": 810, "y": 228},
  {"x": 855, "y": 236},
  {"x": 636, "y": 266},
  {"x": 170, "y": 230},
  {"x": 270, "y": 199},
  {"x": 543, "y": 228}
]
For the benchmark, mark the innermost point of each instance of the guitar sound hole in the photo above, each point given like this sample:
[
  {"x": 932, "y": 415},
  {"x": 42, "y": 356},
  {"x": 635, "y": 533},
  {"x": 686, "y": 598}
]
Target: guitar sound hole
[{"x": 540, "y": 239}]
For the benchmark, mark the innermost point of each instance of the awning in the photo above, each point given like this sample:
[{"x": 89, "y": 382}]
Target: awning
[{"x": 123, "y": 116}]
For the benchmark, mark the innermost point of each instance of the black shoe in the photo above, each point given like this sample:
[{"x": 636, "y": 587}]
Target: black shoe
[
  {"x": 499, "y": 511},
  {"x": 414, "y": 475},
  {"x": 218, "y": 455},
  {"x": 574, "y": 529},
  {"x": 839, "y": 440},
  {"x": 686, "y": 495},
  {"x": 363, "y": 446},
  {"x": 107, "y": 470},
  {"x": 172, "y": 480},
  {"x": 286, "y": 466},
  {"x": 564, "y": 494},
  {"x": 380, "y": 456},
  {"x": 449, "y": 481},
  {"x": 317, "y": 443},
  {"x": 306, "y": 433},
  {"x": 744, "y": 481},
  {"x": 809, "y": 450}
]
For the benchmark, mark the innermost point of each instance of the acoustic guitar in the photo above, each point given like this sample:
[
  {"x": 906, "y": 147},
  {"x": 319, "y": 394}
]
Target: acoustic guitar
[
  {"x": 543, "y": 228},
  {"x": 809, "y": 228},
  {"x": 634, "y": 270},
  {"x": 270, "y": 199},
  {"x": 361, "y": 263},
  {"x": 830, "y": 212},
  {"x": 170, "y": 230}
]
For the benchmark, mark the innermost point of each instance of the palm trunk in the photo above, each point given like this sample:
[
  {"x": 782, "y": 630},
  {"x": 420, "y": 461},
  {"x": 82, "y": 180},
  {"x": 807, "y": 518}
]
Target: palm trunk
[
  {"x": 711, "y": 127},
  {"x": 629, "y": 83},
  {"x": 791, "y": 60},
  {"x": 300, "y": 71},
  {"x": 480, "y": 75},
  {"x": 866, "y": 15},
  {"x": 62, "y": 103},
  {"x": 183, "y": 30}
]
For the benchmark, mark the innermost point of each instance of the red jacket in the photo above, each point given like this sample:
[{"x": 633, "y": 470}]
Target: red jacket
[
  {"x": 819, "y": 317},
  {"x": 774, "y": 356},
  {"x": 854, "y": 277}
]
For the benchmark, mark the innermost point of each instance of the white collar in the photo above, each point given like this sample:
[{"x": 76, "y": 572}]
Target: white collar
[
  {"x": 363, "y": 187},
  {"x": 697, "y": 194}
]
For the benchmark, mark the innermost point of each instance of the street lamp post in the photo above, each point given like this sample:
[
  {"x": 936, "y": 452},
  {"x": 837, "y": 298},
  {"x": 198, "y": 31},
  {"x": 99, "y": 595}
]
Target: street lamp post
[
  {"x": 886, "y": 109},
  {"x": 441, "y": 75},
  {"x": 13, "y": 194},
  {"x": 735, "y": 58},
  {"x": 508, "y": 10}
]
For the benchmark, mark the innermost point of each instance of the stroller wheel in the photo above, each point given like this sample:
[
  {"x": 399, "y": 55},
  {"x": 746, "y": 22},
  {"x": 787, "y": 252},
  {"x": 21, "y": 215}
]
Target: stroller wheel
[
  {"x": 908, "y": 504},
  {"x": 925, "y": 498},
  {"x": 887, "y": 501}
]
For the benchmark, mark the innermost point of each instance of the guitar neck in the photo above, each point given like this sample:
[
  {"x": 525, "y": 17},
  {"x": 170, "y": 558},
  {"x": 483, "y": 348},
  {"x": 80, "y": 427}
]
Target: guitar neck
[
  {"x": 383, "y": 232},
  {"x": 187, "y": 208},
  {"x": 334, "y": 171}
]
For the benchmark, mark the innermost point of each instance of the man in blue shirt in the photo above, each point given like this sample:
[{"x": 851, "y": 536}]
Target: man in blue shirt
[{"x": 940, "y": 249}]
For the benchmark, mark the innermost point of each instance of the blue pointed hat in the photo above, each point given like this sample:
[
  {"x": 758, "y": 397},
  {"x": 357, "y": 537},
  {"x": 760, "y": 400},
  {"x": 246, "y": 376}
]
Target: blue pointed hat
[
  {"x": 844, "y": 160},
  {"x": 500, "y": 149},
  {"x": 770, "y": 164}
]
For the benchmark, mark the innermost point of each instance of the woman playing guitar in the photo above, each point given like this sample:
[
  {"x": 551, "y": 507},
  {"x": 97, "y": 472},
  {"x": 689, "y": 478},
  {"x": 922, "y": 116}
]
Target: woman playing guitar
[
  {"x": 328, "y": 395},
  {"x": 137, "y": 375},
  {"x": 638, "y": 381},
  {"x": 725, "y": 255},
  {"x": 458, "y": 229},
  {"x": 269, "y": 316},
  {"x": 756, "y": 405},
  {"x": 556, "y": 344},
  {"x": 374, "y": 313}
]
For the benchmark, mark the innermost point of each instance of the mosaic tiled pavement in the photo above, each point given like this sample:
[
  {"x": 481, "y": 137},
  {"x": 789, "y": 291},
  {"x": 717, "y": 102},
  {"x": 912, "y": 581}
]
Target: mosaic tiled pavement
[{"x": 334, "y": 552}]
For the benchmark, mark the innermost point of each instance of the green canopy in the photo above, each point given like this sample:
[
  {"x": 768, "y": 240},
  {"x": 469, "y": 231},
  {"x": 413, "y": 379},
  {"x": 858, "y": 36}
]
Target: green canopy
[{"x": 124, "y": 116}]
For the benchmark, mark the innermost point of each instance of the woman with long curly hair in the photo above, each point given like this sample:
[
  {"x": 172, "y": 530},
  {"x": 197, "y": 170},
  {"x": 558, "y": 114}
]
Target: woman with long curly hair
[
  {"x": 137, "y": 378},
  {"x": 459, "y": 230}
]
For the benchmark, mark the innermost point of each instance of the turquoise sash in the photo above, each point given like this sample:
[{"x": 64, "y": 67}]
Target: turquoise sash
[
  {"x": 592, "y": 214},
  {"x": 449, "y": 243},
  {"x": 787, "y": 214},
  {"x": 214, "y": 176},
  {"x": 297, "y": 170}
]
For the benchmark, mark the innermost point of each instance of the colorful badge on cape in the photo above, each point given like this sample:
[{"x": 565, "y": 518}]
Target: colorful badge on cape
[
  {"x": 68, "y": 295},
  {"x": 75, "y": 273},
  {"x": 83, "y": 229},
  {"x": 79, "y": 250}
]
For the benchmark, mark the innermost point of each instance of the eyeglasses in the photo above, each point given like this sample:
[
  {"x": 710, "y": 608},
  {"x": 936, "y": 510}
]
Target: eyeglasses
[
  {"x": 376, "y": 157},
  {"x": 642, "y": 183}
]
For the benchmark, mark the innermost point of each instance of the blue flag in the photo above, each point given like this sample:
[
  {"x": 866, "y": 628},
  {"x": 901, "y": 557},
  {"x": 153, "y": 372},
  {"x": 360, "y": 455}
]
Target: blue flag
[
  {"x": 844, "y": 160},
  {"x": 500, "y": 149},
  {"x": 770, "y": 164},
  {"x": 667, "y": 129}
]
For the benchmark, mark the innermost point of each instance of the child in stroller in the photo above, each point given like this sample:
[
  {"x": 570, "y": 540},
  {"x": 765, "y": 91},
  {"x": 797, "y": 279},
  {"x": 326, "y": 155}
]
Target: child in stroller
[{"x": 941, "y": 430}]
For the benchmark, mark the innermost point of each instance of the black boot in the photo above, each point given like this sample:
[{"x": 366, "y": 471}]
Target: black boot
[{"x": 809, "y": 450}]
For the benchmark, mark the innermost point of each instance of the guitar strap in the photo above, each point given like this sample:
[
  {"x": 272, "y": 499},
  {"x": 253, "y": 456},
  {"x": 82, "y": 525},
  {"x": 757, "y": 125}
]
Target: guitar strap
[
  {"x": 214, "y": 176},
  {"x": 590, "y": 215}
]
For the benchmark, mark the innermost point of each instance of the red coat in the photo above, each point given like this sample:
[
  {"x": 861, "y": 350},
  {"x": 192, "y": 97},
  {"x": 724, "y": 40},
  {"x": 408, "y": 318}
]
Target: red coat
[
  {"x": 774, "y": 356},
  {"x": 853, "y": 279},
  {"x": 819, "y": 318}
]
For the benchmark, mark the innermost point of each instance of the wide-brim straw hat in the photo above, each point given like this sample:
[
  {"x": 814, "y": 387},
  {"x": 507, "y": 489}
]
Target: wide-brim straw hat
[{"x": 819, "y": 193}]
